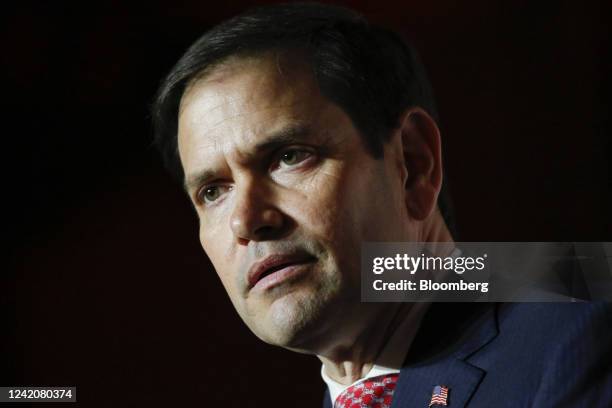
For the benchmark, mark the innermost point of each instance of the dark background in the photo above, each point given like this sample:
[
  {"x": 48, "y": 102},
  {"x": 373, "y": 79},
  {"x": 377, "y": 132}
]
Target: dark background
[{"x": 106, "y": 286}]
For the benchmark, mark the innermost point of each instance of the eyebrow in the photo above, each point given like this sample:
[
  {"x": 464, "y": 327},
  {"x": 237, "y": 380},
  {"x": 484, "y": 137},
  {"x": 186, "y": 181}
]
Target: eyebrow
[{"x": 294, "y": 133}]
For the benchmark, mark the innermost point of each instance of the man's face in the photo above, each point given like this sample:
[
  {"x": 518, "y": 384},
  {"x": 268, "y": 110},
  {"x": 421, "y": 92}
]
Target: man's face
[{"x": 286, "y": 192}]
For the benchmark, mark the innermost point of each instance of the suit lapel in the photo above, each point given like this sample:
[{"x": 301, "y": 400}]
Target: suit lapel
[
  {"x": 416, "y": 384},
  {"x": 327, "y": 399},
  {"x": 449, "y": 335}
]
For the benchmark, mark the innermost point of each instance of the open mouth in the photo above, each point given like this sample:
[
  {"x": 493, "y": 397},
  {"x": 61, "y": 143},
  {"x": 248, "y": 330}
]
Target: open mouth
[{"x": 275, "y": 269}]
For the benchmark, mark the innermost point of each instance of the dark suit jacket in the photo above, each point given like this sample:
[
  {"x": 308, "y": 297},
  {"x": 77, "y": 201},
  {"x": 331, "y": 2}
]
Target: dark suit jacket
[{"x": 510, "y": 355}]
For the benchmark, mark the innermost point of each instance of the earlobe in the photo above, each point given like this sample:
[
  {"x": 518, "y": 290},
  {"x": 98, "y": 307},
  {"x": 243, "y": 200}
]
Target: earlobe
[{"x": 422, "y": 159}]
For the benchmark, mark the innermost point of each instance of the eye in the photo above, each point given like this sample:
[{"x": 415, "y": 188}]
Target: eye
[
  {"x": 293, "y": 157},
  {"x": 210, "y": 194}
]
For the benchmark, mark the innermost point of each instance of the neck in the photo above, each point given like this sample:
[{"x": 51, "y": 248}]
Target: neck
[
  {"x": 347, "y": 363},
  {"x": 353, "y": 357}
]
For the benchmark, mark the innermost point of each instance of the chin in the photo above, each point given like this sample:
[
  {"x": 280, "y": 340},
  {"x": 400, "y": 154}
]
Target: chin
[{"x": 291, "y": 321}]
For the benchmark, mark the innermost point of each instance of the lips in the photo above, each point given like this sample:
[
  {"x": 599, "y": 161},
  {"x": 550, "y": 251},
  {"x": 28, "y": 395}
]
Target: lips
[{"x": 284, "y": 264}]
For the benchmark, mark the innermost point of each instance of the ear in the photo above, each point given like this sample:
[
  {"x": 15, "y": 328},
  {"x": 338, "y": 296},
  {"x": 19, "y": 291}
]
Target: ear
[{"x": 422, "y": 161}]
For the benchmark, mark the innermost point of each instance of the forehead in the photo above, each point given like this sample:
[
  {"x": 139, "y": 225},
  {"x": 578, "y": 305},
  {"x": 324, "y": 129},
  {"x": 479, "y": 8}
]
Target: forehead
[{"x": 234, "y": 105}]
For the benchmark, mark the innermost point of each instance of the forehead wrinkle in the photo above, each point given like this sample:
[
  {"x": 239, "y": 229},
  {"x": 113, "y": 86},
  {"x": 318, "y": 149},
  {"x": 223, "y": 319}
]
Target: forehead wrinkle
[
  {"x": 218, "y": 124},
  {"x": 243, "y": 150},
  {"x": 207, "y": 136},
  {"x": 220, "y": 103}
]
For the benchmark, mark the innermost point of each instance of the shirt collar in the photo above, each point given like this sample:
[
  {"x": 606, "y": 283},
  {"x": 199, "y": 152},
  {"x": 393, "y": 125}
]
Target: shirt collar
[{"x": 393, "y": 353}]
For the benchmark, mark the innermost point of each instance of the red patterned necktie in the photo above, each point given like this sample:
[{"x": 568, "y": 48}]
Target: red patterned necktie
[{"x": 376, "y": 392}]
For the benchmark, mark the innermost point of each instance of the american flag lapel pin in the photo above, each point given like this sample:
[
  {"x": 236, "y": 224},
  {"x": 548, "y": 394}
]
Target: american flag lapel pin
[{"x": 439, "y": 396}]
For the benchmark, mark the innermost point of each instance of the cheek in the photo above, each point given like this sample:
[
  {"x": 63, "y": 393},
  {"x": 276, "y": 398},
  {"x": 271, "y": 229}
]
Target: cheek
[
  {"x": 216, "y": 250},
  {"x": 358, "y": 206},
  {"x": 330, "y": 211},
  {"x": 321, "y": 206},
  {"x": 216, "y": 238}
]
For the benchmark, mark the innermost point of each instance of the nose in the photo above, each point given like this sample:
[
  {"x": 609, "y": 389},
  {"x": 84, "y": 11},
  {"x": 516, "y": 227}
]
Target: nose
[{"x": 255, "y": 216}]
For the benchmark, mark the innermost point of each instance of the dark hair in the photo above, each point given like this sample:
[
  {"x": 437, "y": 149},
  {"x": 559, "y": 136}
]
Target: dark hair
[{"x": 366, "y": 70}]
